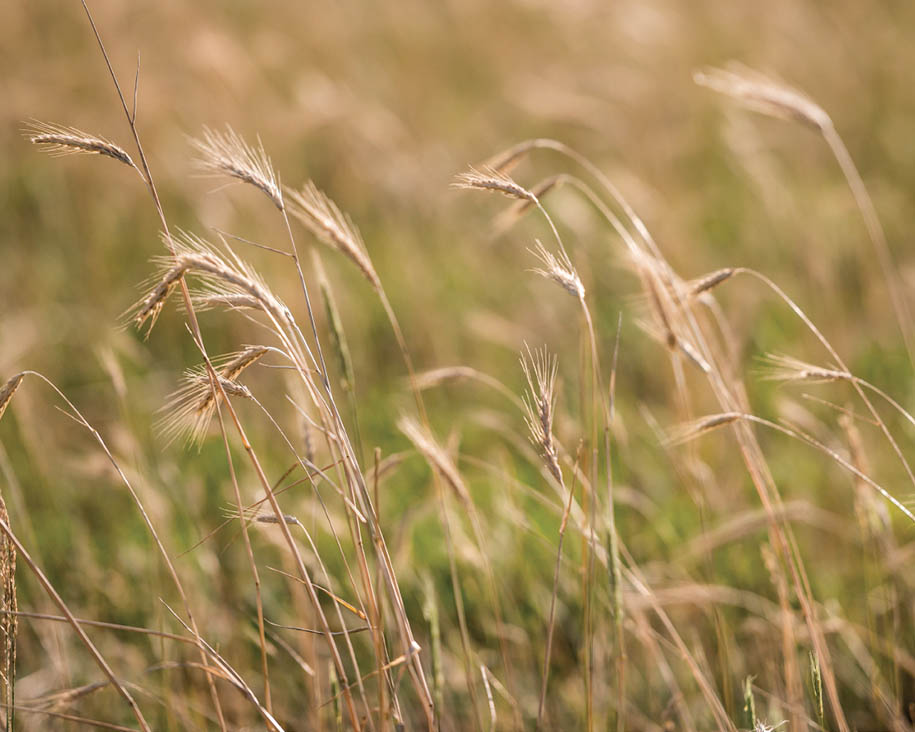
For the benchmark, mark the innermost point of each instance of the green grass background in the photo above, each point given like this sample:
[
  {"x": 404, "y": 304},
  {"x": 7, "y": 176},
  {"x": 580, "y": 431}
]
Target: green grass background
[{"x": 381, "y": 104}]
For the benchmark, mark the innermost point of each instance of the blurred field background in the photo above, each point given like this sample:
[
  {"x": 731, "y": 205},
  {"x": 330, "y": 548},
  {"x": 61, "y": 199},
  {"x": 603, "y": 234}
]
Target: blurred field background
[{"x": 380, "y": 105}]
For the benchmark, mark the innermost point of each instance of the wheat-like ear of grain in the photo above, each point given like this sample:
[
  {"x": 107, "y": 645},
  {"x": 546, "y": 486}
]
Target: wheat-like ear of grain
[
  {"x": 691, "y": 430},
  {"x": 150, "y": 306},
  {"x": 60, "y": 140},
  {"x": 490, "y": 179},
  {"x": 763, "y": 94},
  {"x": 514, "y": 212},
  {"x": 226, "y": 153},
  {"x": 8, "y": 619},
  {"x": 709, "y": 281},
  {"x": 559, "y": 270},
  {"x": 208, "y": 301},
  {"x": 787, "y": 368},
  {"x": 505, "y": 161},
  {"x": 8, "y": 603},
  {"x": 259, "y": 514},
  {"x": 190, "y": 409},
  {"x": 224, "y": 276},
  {"x": 435, "y": 455},
  {"x": 8, "y": 390},
  {"x": 540, "y": 403},
  {"x": 324, "y": 219}
]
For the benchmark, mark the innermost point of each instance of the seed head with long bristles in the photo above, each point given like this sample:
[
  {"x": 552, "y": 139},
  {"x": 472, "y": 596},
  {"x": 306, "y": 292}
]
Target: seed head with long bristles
[
  {"x": 559, "y": 269},
  {"x": 208, "y": 301},
  {"x": 9, "y": 607},
  {"x": 150, "y": 306},
  {"x": 539, "y": 404},
  {"x": 226, "y": 153},
  {"x": 435, "y": 455},
  {"x": 787, "y": 368},
  {"x": 328, "y": 223},
  {"x": 490, "y": 179},
  {"x": 763, "y": 94},
  {"x": 514, "y": 212},
  {"x": 60, "y": 140},
  {"x": 190, "y": 409},
  {"x": 710, "y": 281},
  {"x": 691, "y": 430},
  {"x": 224, "y": 276},
  {"x": 258, "y": 514},
  {"x": 7, "y": 391},
  {"x": 221, "y": 276}
]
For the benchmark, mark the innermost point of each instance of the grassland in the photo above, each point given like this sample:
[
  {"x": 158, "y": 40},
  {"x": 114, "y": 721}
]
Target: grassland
[{"x": 697, "y": 521}]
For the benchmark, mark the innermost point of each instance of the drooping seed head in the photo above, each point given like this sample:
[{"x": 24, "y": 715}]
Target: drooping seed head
[
  {"x": 786, "y": 368},
  {"x": 435, "y": 455},
  {"x": 224, "y": 276},
  {"x": 8, "y": 390},
  {"x": 242, "y": 360},
  {"x": 559, "y": 269},
  {"x": 514, "y": 212},
  {"x": 659, "y": 308},
  {"x": 322, "y": 217},
  {"x": 149, "y": 308},
  {"x": 540, "y": 402},
  {"x": 700, "y": 426},
  {"x": 189, "y": 410},
  {"x": 490, "y": 179},
  {"x": 226, "y": 153},
  {"x": 258, "y": 514},
  {"x": 763, "y": 94},
  {"x": 505, "y": 161},
  {"x": 60, "y": 140},
  {"x": 710, "y": 281},
  {"x": 229, "y": 368}
]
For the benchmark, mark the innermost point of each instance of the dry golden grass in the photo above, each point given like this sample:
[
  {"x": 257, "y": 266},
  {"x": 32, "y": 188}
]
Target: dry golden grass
[{"x": 681, "y": 534}]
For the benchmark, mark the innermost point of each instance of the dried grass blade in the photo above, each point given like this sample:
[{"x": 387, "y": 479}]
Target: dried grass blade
[{"x": 435, "y": 455}]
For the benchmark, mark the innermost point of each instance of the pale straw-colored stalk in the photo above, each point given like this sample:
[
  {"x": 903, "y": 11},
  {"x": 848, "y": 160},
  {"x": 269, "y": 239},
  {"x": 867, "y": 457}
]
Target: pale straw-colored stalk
[
  {"x": 131, "y": 116},
  {"x": 728, "y": 395}
]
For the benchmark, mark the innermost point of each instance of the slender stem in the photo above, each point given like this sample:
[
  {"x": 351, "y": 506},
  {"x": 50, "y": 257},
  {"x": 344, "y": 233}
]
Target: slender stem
[
  {"x": 351, "y": 467},
  {"x": 80, "y": 419},
  {"x": 192, "y": 317},
  {"x": 102, "y": 624},
  {"x": 551, "y": 622},
  {"x": 838, "y": 360},
  {"x": 616, "y": 578},
  {"x": 93, "y": 651},
  {"x": 875, "y": 233},
  {"x": 803, "y": 437},
  {"x": 353, "y": 530},
  {"x": 262, "y": 640}
]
